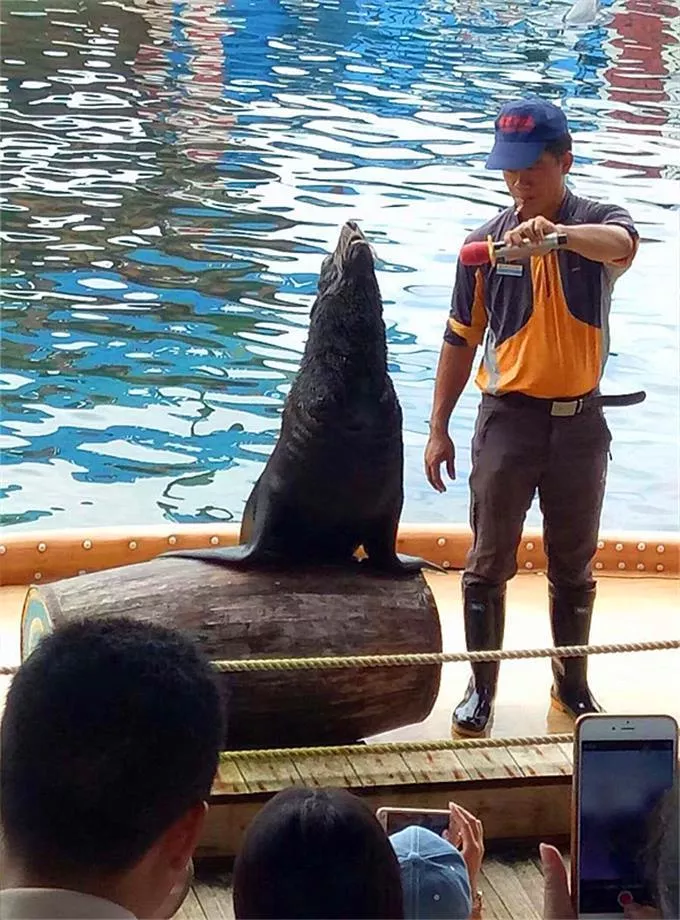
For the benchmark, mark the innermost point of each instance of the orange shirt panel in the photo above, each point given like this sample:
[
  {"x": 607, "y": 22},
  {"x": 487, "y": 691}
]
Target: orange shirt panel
[{"x": 554, "y": 354}]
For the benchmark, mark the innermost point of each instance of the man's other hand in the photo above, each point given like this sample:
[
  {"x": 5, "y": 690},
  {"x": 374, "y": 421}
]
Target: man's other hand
[{"x": 439, "y": 449}]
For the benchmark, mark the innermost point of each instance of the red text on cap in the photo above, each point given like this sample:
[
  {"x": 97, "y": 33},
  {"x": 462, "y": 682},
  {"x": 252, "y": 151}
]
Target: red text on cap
[{"x": 516, "y": 123}]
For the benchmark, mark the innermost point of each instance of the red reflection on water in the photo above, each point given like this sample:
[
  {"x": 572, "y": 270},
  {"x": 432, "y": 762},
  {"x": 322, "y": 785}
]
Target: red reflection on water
[
  {"x": 192, "y": 105},
  {"x": 638, "y": 76}
]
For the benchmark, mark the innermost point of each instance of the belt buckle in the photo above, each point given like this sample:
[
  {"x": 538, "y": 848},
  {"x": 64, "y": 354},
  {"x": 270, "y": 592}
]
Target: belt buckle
[{"x": 566, "y": 409}]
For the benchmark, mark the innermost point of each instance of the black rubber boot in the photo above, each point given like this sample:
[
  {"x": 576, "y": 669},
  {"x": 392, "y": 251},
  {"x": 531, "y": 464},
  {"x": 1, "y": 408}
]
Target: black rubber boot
[
  {"x": 484, "y": 607},
  {"x": 571, "y": 611}
]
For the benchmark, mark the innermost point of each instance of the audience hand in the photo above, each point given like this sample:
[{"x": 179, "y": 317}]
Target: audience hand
[
  {"x": 641, "y": 912},
  {"x": 556, "y": 897},
  {"x": 557, "y": 904},
  {"x": 466, "y": 833}
]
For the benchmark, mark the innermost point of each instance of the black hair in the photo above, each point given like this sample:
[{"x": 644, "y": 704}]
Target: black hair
[
  {"x": 314, "y": 853},
  {"x": 111, "y": 731},
  {"x": 560, "y": 146}
]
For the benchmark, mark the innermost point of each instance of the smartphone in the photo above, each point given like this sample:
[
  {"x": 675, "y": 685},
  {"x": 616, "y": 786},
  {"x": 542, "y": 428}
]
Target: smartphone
[
  {"x": 623, "y": 767},
  {"x": 396, "y": 819}
]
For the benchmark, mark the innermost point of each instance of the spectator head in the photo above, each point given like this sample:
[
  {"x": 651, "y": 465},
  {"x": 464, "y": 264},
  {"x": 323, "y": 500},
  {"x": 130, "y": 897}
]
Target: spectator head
[
  {"x": 433, "y": 874},
  {"x": 314, "y": 853},
  {"x": 109, "y": 746}
]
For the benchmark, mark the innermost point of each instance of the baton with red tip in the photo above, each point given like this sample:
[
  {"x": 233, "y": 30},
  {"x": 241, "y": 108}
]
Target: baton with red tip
[{"x": 484, "y": 251}]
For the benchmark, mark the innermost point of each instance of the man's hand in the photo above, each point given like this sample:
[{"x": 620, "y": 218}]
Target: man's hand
[
  {"x": 439, "y": 449},
  {"x": 607, "y": 243},
  {"x": 534, "y": 231}
]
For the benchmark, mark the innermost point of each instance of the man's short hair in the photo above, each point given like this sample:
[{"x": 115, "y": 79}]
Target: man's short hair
[
  {"x": 560, "y": 146},
  {"x": 111, "y": 732}
]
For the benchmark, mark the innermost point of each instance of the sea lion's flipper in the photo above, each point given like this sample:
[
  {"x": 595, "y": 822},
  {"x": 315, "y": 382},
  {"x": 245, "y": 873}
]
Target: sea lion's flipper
[
  {"x": 248, "y": 519},
  {"x": 404, "y": 564},
  {"x": 258, "y": 546},
  {"x": 247, "y": 552},
  {"x": 382, "y": 556},
  {"x": 416, "y": 563},
  {"x": 400, "y": 564},
  {"x": 238, "y": 556}
]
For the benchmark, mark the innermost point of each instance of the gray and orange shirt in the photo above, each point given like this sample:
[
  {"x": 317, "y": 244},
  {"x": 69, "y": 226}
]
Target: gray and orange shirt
[{"x": 546, "y": 330}]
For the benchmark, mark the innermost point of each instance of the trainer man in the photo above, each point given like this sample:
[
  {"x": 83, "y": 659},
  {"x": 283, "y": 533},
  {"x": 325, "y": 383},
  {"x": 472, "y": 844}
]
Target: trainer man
[{"x": 543, "y": 321}]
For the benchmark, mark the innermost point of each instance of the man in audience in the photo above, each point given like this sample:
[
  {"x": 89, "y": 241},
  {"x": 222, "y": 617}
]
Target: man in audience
[{"x": 109, "y": 746}]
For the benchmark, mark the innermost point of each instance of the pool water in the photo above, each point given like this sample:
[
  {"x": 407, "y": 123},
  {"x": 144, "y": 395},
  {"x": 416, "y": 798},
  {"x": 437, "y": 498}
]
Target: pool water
[{"x": 174, "y": 172}]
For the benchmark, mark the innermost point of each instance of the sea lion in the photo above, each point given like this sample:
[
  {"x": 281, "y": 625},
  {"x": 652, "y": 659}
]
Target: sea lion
[{"x": 334, "y": 481}]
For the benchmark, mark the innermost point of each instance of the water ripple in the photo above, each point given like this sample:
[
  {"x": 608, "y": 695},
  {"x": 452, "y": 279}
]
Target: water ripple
[{"x": 172, "y": 176}]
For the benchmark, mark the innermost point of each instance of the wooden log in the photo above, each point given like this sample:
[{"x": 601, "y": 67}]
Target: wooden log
[{"x": 272, "y": 614}]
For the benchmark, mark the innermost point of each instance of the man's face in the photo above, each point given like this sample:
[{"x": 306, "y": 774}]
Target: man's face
[{"x": 540, "y": 185}]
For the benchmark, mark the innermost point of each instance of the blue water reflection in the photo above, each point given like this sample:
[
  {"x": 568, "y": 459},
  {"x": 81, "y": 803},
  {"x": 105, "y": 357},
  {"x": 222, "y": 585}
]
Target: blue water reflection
[{"x": 174, "y": 172}]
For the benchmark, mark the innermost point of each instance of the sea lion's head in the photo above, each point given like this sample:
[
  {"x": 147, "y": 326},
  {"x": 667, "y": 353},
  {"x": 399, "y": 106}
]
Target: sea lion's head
[
  {"x": 350, "y": 264},
  {"x": 346, "y": 318}
]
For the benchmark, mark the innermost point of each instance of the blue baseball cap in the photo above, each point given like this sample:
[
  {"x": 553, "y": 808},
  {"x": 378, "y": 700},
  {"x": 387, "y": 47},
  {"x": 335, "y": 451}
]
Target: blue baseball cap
[
  {"x": 523, "y": 129},
  {"x": 434, "y": 876}
]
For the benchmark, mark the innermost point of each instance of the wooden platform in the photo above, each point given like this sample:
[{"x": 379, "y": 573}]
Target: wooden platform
[
  {"x": 511, "y": 882},
  {"x": 519, "y": 792}
]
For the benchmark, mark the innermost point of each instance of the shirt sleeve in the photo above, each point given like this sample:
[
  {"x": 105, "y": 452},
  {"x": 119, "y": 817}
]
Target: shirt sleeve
[
  {"x": 467, "y": 318},
  {"x": 615, "y": 216}
]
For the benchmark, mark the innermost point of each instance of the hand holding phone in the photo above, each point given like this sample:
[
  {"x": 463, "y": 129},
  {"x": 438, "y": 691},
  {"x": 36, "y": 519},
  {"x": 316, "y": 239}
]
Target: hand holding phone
[
  {"x": 557, "y": 901},
  {"x": 466, "y": 833},
  {"x": 623, "y": 768},
  {"x": 394, "y": 820},
  {"x": 457, "y": 825}
]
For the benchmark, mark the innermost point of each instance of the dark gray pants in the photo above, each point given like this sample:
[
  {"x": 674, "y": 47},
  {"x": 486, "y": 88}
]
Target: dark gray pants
[{"x": 516, "y": 450}]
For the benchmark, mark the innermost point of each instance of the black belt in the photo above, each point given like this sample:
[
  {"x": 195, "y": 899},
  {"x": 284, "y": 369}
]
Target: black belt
[{"x": 566, "y": 408}]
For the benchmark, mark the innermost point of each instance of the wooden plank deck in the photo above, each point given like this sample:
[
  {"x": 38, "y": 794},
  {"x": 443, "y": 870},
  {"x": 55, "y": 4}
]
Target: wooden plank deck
[
  {"x": 365, "y": 771},
  {"x": 511, "y": 882},
  {"x": 517, "y": 791}
]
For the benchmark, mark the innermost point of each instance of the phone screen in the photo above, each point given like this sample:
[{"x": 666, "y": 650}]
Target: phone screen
[
  {"x": 621, "y": 785},
  {"x": 398, "y": 820}
]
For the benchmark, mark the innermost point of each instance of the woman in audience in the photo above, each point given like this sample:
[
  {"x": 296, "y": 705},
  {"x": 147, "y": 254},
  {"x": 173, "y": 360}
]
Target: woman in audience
[
  {"x": 314, "y": 853},
  {"x": 440, "y": 877}
]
